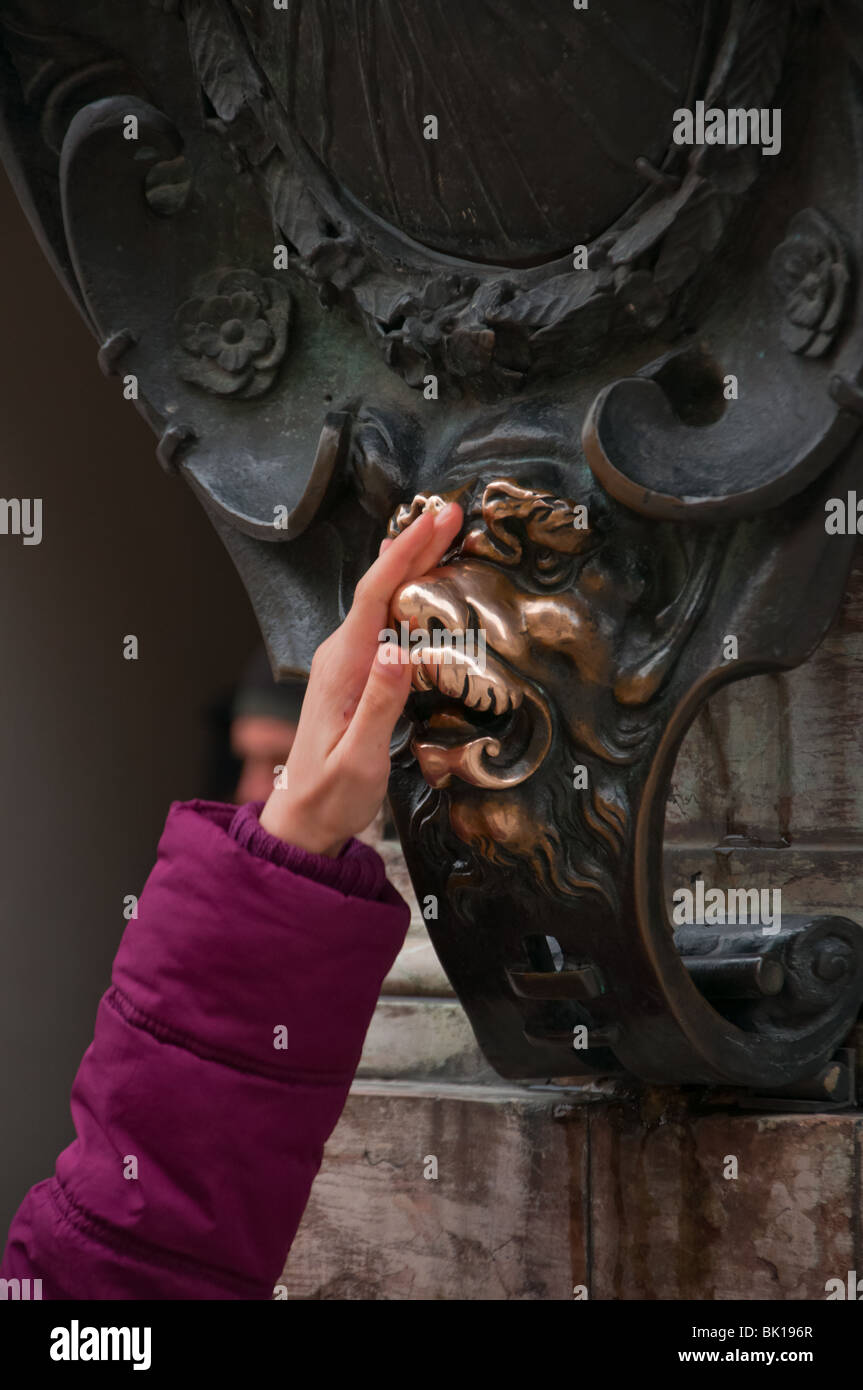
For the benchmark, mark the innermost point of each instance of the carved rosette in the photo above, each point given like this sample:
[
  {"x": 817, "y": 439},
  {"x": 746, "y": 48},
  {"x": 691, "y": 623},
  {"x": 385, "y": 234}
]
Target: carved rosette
[
  {"x": 810, "y": 270},
  {"x": 233, "y": 333}
]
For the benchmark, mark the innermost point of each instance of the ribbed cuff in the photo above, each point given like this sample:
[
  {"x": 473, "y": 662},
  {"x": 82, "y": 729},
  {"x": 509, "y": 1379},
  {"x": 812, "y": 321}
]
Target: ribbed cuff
[{"x": 358, "y": 871}]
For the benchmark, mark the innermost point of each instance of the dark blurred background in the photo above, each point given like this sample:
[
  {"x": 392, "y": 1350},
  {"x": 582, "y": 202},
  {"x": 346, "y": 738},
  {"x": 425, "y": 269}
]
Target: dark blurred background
[{"x": 93, "y": 748}]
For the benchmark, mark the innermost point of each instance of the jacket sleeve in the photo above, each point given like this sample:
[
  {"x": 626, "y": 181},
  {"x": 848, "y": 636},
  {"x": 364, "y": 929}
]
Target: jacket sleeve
[{"x": 222, "y": 1058}]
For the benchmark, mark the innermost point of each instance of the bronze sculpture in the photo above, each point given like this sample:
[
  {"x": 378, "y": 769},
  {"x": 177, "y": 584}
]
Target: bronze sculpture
[{"x": 332, "y": 253}]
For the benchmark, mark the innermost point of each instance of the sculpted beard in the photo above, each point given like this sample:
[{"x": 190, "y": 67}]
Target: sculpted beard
[{"x": 571, "y": 850}]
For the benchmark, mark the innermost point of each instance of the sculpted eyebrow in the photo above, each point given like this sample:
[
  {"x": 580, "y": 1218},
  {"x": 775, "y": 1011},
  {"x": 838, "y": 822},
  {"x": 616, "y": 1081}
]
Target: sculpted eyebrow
[{"x": 486, "y": 464}]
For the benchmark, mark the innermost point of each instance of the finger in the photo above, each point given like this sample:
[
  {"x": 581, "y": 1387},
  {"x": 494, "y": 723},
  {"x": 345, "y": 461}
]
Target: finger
[
  {"x": 387, "y": 571},
  {"x": 341, "y": 675},
  {"x": 387, "y": 688},
  {"x": 369, "y": 614},
  {"x": 448, "y": 523},
  {"x": 413, "y": 552}
]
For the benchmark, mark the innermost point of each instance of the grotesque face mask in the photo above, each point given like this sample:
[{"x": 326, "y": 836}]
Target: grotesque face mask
[{"x": 349, "y": 259}]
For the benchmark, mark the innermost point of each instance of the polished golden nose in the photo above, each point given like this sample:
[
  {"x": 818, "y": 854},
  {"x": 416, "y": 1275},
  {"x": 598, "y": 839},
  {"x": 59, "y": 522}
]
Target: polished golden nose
[{"x": 434, "y": 598}]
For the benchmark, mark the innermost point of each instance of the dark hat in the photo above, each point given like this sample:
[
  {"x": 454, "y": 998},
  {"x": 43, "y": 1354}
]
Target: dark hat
[{"x": 257, "y": 692}]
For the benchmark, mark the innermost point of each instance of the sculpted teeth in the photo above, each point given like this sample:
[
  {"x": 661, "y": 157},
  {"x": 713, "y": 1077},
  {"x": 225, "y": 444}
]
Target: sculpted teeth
[{"x": 471, "y": 689}]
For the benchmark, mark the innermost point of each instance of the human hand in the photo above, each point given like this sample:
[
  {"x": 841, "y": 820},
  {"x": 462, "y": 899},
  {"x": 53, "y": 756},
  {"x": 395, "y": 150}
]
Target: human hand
[{"x": 339, "y": 765}]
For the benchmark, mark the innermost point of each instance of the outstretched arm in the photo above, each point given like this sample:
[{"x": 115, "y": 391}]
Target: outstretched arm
[{"x": 240, "y": 998}]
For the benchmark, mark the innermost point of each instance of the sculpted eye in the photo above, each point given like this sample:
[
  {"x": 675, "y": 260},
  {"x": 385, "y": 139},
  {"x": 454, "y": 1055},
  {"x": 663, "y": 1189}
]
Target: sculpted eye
[{"x": 550, "y": 566}]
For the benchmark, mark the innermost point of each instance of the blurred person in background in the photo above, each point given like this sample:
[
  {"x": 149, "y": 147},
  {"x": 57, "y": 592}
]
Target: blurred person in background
[
  {"x": 264, "y": 719},
  {"x": 250, "y": 732}
]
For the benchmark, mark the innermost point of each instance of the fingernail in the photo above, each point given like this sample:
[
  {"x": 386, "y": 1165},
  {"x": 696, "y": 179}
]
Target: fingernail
[
  {"x": 385, "y": 544},
  {"x": 445, "y": 514},
  {"x": 386, "y": 663}
]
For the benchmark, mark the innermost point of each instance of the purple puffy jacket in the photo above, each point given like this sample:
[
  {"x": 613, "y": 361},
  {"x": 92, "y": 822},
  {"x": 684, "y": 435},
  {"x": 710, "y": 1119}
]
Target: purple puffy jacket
[{"x": 238, "y": 938}]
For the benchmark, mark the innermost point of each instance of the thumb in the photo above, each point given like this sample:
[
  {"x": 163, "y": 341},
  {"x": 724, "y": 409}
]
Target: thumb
[{"x": 380, "y": 705}]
